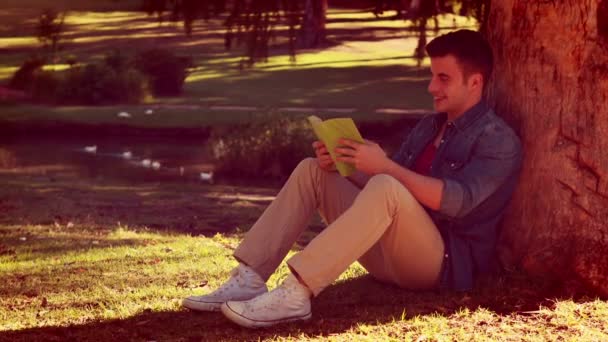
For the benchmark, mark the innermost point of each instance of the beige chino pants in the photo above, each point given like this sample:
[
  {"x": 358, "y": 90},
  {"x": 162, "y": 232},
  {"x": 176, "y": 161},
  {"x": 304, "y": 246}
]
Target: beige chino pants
[{"x": 382, "y": 226}]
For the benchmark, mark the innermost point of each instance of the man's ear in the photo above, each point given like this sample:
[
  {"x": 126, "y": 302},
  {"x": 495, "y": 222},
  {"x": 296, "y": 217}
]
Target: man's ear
[{"x": 476, "y": 81}]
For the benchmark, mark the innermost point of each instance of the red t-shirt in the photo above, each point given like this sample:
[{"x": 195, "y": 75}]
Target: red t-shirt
[{"x": 425, "y": 160}]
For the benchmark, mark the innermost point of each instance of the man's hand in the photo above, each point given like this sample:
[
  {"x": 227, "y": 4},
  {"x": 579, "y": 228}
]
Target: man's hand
[
  {"x": 325, "y": 161},
  {"x": 367, "y": 157}
]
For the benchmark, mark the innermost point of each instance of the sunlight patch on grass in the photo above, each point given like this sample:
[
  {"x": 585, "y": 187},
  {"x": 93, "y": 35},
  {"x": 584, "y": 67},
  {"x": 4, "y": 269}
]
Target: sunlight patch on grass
[
  {"x": 366, "y": 19},
  {"x": 347, "y": 55},
  {"x": 102, "y": 18},
  {"x": 18, "y": 42},
  {"x": 7, "y": 72},
  {"x": 98, "y": 39},
  {"x": 56, "y": 67}
]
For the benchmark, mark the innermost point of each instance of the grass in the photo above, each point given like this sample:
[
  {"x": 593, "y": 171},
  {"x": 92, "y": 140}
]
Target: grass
[
  {"x": 74, "y": 283},
  {"x": 369, "y": 65},
  {"x": 96, "y": 261}
]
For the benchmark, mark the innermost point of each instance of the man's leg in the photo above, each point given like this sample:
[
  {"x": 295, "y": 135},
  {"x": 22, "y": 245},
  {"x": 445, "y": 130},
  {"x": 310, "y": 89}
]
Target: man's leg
[
  {"x": 275, "y": 232},
  {"x": 387, "y": 230},
  {"x": 385, "y": 227},
  {"x": 308, "y": 188}
]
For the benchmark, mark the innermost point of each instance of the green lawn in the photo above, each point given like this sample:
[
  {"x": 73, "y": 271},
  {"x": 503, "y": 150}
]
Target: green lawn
[
  {"x": 95, "y": 260},
  {"x": 369, "y": 65},
  {"x": 120, "y": 283}
]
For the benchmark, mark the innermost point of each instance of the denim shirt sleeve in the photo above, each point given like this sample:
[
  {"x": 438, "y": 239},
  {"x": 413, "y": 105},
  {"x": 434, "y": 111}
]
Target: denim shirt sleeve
[{"x": 495, "y": 158}]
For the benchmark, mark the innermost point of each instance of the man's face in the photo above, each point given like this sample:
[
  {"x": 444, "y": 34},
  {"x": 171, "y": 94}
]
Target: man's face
[{"x": 451, "y": 92}]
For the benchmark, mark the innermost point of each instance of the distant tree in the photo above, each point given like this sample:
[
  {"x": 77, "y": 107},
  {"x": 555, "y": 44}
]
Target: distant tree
[{"x": 50, "y": 28}]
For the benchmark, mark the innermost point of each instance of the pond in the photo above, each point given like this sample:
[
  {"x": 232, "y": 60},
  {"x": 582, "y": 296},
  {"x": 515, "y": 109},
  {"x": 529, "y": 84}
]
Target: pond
[{"x": 109, "y": 158}]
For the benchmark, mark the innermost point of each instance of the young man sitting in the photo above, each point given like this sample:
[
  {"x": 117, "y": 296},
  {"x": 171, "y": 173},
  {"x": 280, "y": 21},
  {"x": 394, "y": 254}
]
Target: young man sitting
[{"x": 425, "y": 218}]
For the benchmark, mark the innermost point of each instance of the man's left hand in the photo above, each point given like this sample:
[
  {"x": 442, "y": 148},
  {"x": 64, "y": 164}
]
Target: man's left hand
[{"x": 367, "y": 157}]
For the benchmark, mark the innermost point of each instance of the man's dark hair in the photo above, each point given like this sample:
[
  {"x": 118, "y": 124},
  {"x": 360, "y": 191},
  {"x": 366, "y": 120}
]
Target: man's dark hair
[{"x": 470, "y": 49}]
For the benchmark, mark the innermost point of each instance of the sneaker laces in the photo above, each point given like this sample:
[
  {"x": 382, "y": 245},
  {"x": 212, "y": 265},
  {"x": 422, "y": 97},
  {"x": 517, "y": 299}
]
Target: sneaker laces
[
  {"x": 235, "y": 275},
  {"x": 281, "y": 291}
]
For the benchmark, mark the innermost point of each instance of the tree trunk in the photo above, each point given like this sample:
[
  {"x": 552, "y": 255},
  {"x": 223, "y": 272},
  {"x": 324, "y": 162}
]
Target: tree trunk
[
  {"x": 312, "y": 32},
  {"x": 551, "y": 84}
]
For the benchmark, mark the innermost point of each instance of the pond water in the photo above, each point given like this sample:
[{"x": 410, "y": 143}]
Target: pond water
[{"x": 111, "y": 158}]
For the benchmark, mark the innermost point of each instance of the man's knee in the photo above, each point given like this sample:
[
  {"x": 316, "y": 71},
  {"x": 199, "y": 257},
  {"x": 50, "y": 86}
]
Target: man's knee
[
  {"x": 383, "y": 181},
  {"x": 307, "y": 165},
  {"x": 389, "y": 186},
  {"x": 307, "y": 168}
]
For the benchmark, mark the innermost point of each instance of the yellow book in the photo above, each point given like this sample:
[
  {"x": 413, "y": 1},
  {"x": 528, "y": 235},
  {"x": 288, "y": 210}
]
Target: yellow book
[{"x": 330, "y": 131}]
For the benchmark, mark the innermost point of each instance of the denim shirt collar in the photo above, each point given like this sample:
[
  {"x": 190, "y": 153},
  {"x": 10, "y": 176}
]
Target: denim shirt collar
[{"x": 468, "y": 117}]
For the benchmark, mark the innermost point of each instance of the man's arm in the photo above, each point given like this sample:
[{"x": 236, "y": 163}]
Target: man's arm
[
  {"x": 496, "y": 159},
  {"x": 370, "y": 159},
  {"x": 427, "y": 190}
]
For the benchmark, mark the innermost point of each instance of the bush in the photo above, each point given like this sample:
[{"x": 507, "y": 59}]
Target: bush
[
  {"x": 45, "y": 86},
  {"x": 98, "y": 84},
  {"x": 270, "y": 147},
  {"x": 22, "y": 78},
  {"x": 115, "y": 80},
  {"x": 166, "y": 71},
  {"x": 117, "y": 61}
]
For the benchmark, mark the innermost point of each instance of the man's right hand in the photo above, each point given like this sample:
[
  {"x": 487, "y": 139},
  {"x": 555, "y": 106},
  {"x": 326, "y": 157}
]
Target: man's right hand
[{"x": 325, "y": 161}]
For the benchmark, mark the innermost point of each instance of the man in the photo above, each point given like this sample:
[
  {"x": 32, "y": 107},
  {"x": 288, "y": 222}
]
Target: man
[{"x": 424, "y": 219}]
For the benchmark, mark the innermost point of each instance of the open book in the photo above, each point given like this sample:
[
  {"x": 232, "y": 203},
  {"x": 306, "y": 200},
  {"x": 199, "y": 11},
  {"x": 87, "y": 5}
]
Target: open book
[{"x": 330, "y": 131}]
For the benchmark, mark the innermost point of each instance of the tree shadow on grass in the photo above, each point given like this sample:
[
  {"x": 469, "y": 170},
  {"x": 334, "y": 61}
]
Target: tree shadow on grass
[
  {"x": 339, "y": 308},
  {"x": 58, "y": 200}
]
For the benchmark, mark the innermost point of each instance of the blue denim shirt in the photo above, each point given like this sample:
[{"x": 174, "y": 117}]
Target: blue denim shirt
[{"x": 478, "y": 161}]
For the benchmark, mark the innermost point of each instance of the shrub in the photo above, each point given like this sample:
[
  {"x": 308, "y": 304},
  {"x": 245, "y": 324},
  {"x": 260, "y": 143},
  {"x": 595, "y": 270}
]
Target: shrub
[
  {"x": 270, "y": 147},
  {"x": 166, "y": 71},
  {"x": 23, "y": 77},
  {"x": 97, "y": 84},
  {"x": 117, "y": 61},
  {"x": 45, "y": 86}
]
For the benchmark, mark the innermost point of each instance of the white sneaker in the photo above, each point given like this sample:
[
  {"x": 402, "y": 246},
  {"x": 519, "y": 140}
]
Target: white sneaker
[
  {"x": 243, "y": 284},
  {"x": 288, "y": 302}
]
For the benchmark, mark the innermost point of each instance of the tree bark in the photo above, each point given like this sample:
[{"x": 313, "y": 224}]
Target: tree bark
[
  {"x": 551, "y": 84},
  {"x": 312, "y": 33}
]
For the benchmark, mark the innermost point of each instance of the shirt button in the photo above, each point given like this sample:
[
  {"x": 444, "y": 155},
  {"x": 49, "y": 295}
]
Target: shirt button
[
  {"x": 446, "y": 255},
  {"x": 452, "y": 165},
  {"x": 442, "y": 141}
]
